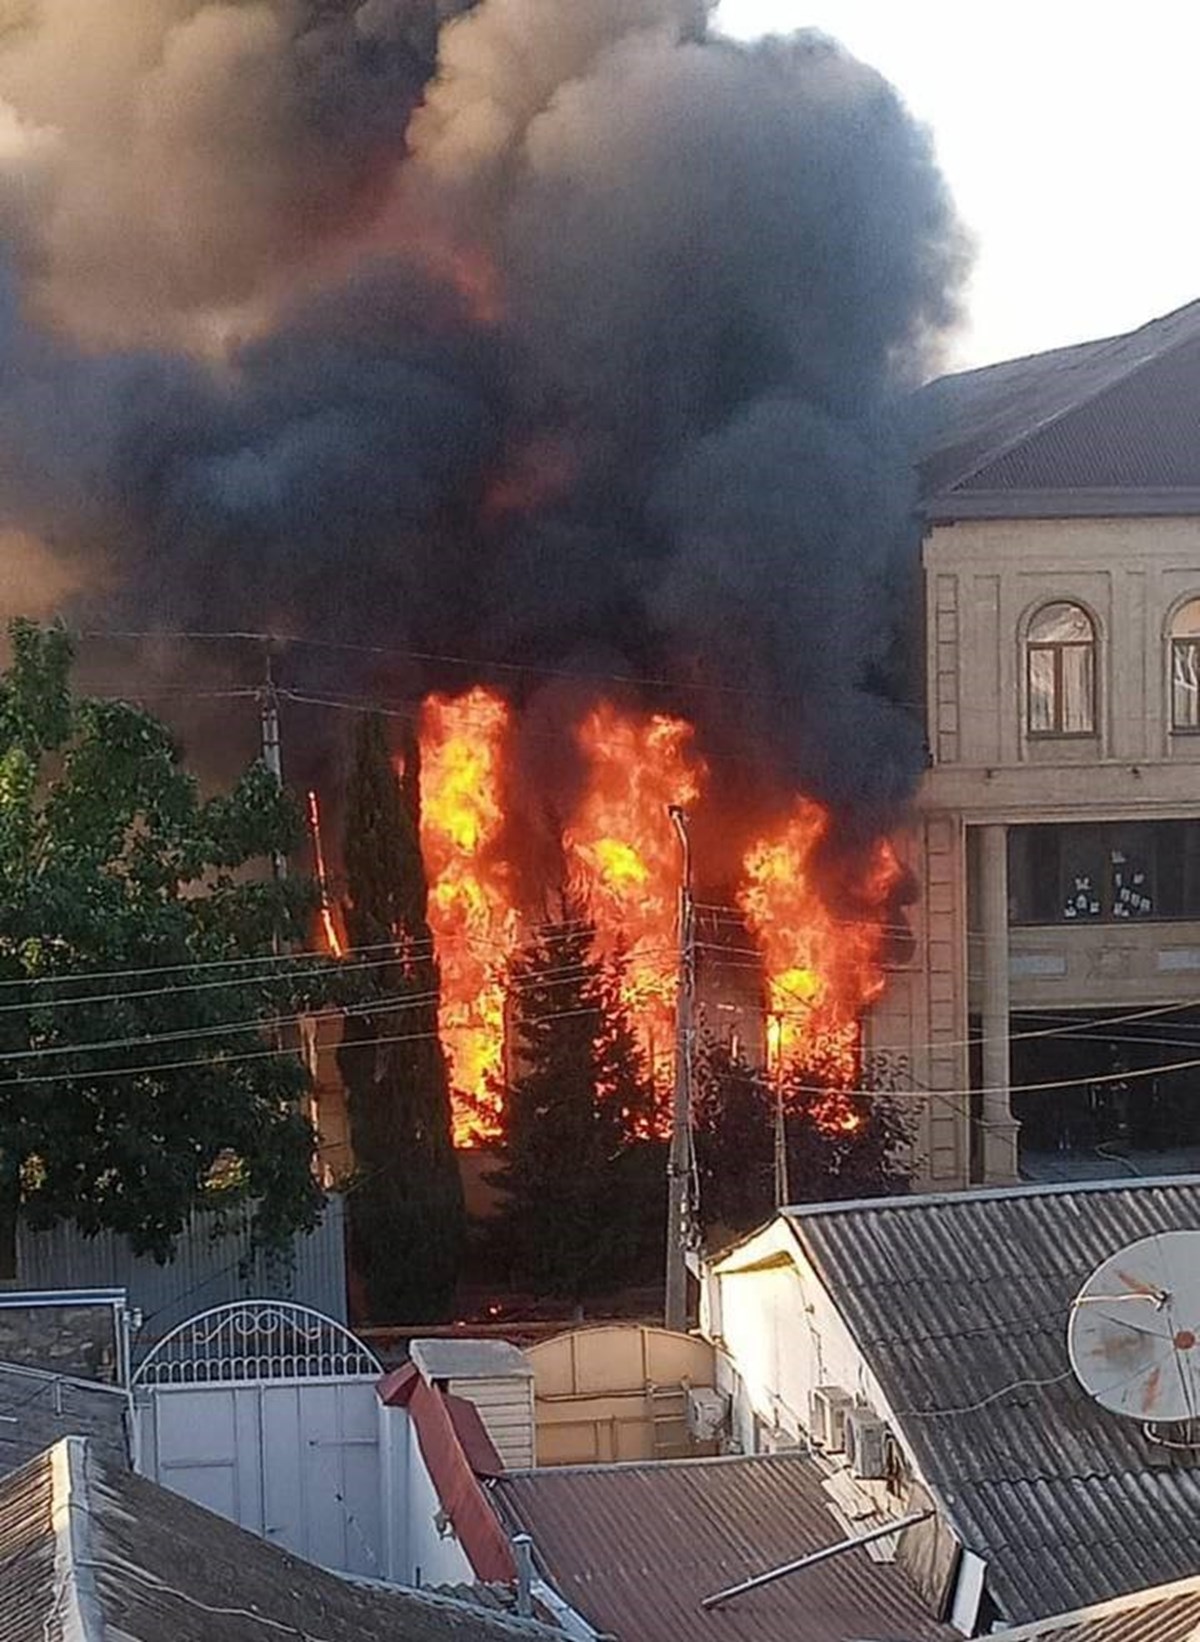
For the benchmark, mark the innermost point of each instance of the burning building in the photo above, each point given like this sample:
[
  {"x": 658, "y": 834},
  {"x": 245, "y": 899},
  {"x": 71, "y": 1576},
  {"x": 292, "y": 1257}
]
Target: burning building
[{"x": 540, "y": 368}]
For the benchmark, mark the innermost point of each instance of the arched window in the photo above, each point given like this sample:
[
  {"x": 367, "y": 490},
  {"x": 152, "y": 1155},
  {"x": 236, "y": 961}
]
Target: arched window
[
  {"x": 1185, "y": 667},
  {"x": 1061, "y": 661}
]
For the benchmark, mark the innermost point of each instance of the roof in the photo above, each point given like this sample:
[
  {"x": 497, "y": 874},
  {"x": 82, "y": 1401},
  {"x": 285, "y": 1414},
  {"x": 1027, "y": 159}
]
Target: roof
[
  {"x": 440, "y": 1359},
  {"x": 1164, "y": 1613},
  {"x": 37, "y": 1408},
  {"x": 1101, "y": 428},
  {"x": 633, "y": 1548},
  {"x": 89, "y": 1551},
  {"x": 960, "y": 1305},
  {"x": 457, "y": 1452}
]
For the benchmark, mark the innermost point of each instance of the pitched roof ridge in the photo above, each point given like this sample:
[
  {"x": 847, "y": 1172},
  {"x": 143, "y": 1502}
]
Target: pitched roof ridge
[
  {"x": 75, "y": 1592},
  {"x": 997, "y": 452},
  {"x": 983, "y": 1194}
]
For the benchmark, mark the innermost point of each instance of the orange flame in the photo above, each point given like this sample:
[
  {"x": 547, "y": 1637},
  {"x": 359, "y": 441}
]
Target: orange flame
[
  {"x": 471, "y": 915},
  {"x": 623, "y": 848},
  {"x": 329, "y": 931},
  {"x": 822, "y": 970}
]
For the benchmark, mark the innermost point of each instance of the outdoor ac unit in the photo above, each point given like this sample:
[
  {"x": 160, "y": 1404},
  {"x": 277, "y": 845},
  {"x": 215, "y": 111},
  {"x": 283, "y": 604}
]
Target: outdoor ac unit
[
  {"x": 827, "y": 1410},
  {"x": 707, "y": 1413},
  {"x": 866, "y": 1444}
]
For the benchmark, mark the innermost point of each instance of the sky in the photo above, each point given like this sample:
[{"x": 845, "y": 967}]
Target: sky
[{"x": 1069, "y": 135}]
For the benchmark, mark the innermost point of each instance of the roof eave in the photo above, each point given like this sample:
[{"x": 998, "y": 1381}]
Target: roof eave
[{"x": 1117, "y": 503}]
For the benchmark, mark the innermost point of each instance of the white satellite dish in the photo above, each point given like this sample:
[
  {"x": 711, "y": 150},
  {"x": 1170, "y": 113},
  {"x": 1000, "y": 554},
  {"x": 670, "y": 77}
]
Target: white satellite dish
[{"x": 1134, "y": 1333}]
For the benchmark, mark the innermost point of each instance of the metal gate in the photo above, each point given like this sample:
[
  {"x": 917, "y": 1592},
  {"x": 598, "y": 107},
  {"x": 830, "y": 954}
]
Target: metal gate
[{"x": 266, "y": 1413}]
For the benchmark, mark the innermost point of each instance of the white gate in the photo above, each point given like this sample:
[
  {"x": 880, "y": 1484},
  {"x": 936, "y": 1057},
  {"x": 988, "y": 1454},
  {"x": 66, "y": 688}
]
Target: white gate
[{"x": 266, "y": 1413}]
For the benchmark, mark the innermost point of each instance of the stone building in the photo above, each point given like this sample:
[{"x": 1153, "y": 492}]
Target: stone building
[{"x": 1057, "y": 957}]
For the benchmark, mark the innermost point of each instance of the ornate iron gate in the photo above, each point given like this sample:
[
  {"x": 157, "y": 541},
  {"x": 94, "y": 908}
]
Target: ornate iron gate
[{"x": 266, "y": 1412}]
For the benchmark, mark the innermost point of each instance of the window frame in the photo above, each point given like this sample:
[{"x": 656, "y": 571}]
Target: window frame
[
  {"x": 1056, "y": 649},
  {"x": 1175, "y": 643}
]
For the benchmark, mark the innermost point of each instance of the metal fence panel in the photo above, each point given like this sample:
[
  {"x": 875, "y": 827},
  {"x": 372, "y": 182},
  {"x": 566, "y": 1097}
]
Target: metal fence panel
[{"x": 208, "y": 1270}]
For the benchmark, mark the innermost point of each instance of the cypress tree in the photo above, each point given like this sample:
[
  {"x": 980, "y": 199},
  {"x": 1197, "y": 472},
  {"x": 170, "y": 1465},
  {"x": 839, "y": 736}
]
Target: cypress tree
[
  {"x": 405, "y": 1203},
  {"x": 583, "y": 1183}
]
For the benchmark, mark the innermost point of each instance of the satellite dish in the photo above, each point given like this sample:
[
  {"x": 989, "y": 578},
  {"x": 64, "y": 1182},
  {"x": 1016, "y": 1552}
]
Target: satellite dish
[{"x": 1134, "y": 1334}]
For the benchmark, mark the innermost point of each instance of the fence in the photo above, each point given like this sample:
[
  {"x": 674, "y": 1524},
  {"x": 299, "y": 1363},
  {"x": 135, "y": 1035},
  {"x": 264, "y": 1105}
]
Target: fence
[{"x": 208, "y": 1270}]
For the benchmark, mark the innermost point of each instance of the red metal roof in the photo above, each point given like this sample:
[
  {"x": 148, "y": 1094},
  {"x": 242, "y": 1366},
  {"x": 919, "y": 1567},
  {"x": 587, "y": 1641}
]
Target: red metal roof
[
  {"x": 633, "y": 1548},
  {"x": 457, "y": 1452}
]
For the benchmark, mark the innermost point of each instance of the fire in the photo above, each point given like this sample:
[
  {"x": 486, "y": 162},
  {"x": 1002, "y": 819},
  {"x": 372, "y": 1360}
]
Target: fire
[
  {"x": 623, "y": 849},
  {"x": 822, "y": 970},
  {"x": 329, "y": 930},
  {"x": 471, "y": 914}
]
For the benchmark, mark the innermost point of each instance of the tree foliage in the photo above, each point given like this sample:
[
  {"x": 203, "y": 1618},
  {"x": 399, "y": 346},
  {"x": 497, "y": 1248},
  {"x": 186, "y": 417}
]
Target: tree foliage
[
  {"x": 734, "y": 1115},
  {"x": 138, "y": 936},
  {"x": 406, "y": 1203},
  {"x": 583, "y": 1181}
]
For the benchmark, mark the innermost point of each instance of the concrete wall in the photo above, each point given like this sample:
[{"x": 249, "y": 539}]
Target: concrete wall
[
  {"x": 780, "y": 1337},
  {"x": 984, "y": 580},
  {"x": 914, "y": 1036},
  {"x": 420, "y": 1547}
]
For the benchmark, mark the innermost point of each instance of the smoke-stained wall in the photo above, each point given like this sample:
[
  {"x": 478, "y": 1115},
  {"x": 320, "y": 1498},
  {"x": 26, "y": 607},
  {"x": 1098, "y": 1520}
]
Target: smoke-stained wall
[{"x": 562, "y": 335}]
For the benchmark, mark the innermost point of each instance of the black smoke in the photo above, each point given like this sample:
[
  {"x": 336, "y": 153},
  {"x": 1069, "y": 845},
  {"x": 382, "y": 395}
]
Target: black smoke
[{"x": 557, "y": 336}]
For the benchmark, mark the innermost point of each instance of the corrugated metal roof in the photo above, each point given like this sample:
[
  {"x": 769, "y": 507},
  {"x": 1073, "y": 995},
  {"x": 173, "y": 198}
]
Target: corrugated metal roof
[
  {"x": 28, "y": 1612},
  {"x": 153, "y": 1565},
  {"x": 633, "y": 1548},
  {"x": 1120, "y": 414},
  {"x": 1165, "y": 1613},
  {"x": 37, "y": 1409},
  {"x": 956, "y": 1299}
]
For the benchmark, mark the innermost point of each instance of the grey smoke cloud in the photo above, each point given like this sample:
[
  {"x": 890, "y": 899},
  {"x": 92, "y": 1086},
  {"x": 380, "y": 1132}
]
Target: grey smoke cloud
[{"x": 588, "y": 343}]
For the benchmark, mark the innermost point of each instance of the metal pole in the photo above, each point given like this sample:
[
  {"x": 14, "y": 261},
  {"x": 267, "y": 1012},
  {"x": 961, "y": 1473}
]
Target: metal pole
[
  {"x": 775, "y": 1072},
  {"x": 272, "y": 755},
  {"x": 523, "y": 1556},
  {"x": 825, "y": 1555},
  {"x": 675, "y": 1300}
]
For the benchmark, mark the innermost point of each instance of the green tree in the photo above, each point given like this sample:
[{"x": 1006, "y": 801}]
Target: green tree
[
  {"x": 852, "y": 1146},
  {"x": 583, "y": 1180},
  {"x": 138, "y": 928},
  {"x": 405, "y": 1202}
]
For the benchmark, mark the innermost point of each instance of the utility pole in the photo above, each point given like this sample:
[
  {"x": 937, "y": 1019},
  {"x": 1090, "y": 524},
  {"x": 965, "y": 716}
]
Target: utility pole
[
  {"x": 775, "y": 1073},
  {"x": 679, "y": 1164},
  {"x": 271, "y": 753}
]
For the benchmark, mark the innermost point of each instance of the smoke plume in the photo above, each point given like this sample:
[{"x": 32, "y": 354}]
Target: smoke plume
[{"x": 538, "y": 332}]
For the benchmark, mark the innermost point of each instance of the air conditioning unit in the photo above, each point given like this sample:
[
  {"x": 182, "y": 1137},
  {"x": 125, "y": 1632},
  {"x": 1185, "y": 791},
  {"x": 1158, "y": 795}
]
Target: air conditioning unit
[
  {"x": 828, "y": 1407},
  {"x": 707, "y": 1413},
  {"x": 866, "y": 1444}
]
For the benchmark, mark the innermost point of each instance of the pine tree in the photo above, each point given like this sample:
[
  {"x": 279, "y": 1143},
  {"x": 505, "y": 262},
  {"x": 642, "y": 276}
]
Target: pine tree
[
  {"x": 405, "y": 1201},
  {"x": 583, "y": 1182},
  {"x": 734, "y": 1131}
]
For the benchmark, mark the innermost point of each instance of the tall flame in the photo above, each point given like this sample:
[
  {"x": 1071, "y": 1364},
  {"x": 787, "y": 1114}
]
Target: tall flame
[
  {"x": 621, "y": 845},
  {"x": 822, "y": 970},
  {"x": 329, "y": 930},
  {"x": 471, "y": 914}
]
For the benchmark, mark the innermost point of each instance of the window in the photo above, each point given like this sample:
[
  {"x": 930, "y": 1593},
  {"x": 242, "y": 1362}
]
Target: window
[
  {"x": 1185, "y": 667},
  {"x": 1118, "y": 871},
  {"x": 1061, "y": 655}
]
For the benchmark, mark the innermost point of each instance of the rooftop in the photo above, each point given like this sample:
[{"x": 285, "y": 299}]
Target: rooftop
[
  {"x": 88, "y": 1551},
  {"x": 441, "y": 1359},
  {"x": 38, "y": 1408},
  {"x": 633, "y": 1548},
  {"x": 960, "y": 1305},
  {"x": 1164, "y": 1613},
  {"x": 1101, "y": 428}
]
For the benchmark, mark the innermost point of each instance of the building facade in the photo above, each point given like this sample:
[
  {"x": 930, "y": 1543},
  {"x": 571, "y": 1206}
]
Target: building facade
[{"x": 1047, "y": 1015}]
